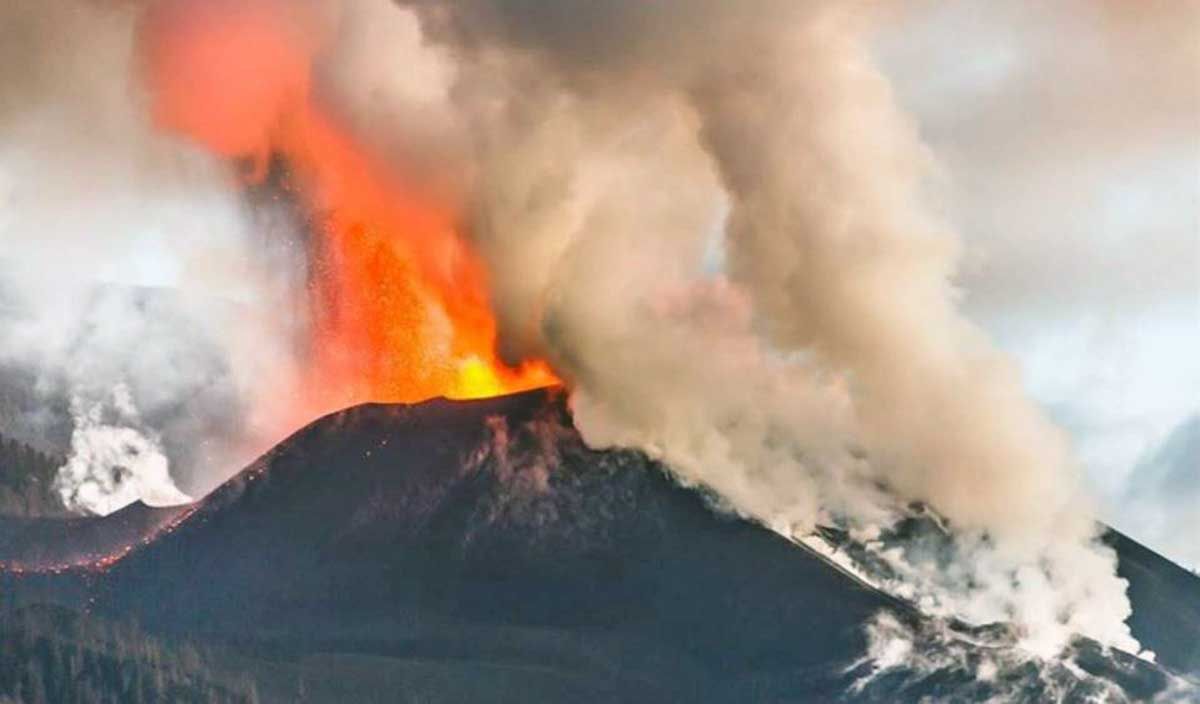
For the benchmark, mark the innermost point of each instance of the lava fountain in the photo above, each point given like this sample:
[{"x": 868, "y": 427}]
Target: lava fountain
[{"x": 398, "y": 301}]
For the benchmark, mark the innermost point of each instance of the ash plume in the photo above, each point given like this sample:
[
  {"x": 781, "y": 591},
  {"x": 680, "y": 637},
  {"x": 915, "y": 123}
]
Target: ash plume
[
  {"x": 607, "y": 135},
  {"x": 826, "y": 235}
]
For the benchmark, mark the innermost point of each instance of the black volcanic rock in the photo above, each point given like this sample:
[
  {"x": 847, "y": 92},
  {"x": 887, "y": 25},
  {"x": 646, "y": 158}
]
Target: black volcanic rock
[
  {"x": 41, "y": 543},
  {"x": 482, "y": 529},
  {"x": 479, "y": 551},
  {"x": 1166, "y": 604}
]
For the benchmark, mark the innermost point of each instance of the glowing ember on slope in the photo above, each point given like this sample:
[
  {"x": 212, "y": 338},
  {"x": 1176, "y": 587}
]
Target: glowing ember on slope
[
  {"x": 398, "y": 301},
  {"x": 97, "y": 562}
]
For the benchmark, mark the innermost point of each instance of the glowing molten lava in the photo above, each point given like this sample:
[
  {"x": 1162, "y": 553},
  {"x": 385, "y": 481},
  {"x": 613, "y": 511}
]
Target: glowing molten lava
[{"x": 399, "y": 305}]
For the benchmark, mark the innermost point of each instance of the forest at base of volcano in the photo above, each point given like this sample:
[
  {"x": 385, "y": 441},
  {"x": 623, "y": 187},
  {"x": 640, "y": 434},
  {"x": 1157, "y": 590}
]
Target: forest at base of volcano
[{"x": 479, "y": 551}]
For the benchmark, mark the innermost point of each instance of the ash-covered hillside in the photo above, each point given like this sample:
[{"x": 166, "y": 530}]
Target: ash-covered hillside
[{"x": 479, "y": 551}]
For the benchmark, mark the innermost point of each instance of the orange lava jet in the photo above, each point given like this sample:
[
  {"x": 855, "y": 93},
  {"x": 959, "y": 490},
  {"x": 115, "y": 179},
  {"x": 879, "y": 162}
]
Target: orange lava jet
[
  {"x": 399, "y": 302},
  {"x": 400, "y": 306}
]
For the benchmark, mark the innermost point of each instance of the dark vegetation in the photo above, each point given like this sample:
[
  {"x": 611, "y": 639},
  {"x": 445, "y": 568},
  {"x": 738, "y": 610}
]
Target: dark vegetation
[
  {"x": 52, "y": 655},
  {"x": 27, "y": 480}
]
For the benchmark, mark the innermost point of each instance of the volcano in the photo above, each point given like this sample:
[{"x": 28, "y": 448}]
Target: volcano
[{"x": 479, "y": 551}]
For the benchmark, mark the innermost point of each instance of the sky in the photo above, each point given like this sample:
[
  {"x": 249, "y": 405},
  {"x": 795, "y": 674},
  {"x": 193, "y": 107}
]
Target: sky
[{"x": 1068, "y": 137}]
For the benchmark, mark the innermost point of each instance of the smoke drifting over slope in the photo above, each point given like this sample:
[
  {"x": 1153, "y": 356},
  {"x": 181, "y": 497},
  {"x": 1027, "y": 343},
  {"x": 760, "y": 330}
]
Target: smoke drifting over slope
[{"x": 709, "y": 218}]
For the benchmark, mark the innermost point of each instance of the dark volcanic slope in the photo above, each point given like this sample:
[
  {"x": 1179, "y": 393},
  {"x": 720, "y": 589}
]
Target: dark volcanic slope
[
  {"x": 1166, "y": 604},
  {"x": 41, "y": 543},
  {"x": 479, "y": 551},
  {"x": 423, "y": 530}
]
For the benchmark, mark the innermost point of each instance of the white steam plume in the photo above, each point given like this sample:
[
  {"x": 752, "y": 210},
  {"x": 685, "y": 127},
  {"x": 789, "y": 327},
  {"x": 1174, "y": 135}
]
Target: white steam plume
[{"x": 114, "y": 461}]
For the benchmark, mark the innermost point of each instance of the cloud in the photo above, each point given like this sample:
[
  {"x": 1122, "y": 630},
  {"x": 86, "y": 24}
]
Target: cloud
[
  {"x": 1067, "y": 131},
  {"x": 1162, "y": 499}
]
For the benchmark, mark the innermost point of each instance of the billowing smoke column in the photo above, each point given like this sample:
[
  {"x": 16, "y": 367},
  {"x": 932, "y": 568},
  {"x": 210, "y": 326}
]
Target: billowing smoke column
[
  {"x": 618, "y": 145},
  {"x": 707, "y": 215},
  {"x": 778, "y": 109}
]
